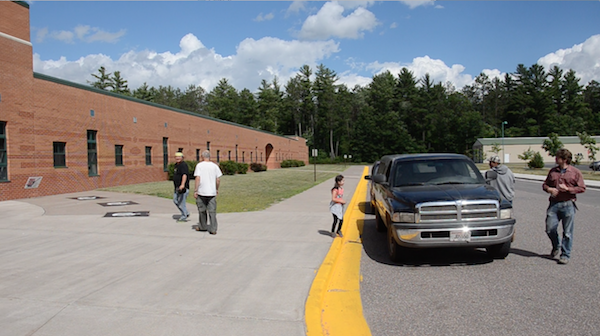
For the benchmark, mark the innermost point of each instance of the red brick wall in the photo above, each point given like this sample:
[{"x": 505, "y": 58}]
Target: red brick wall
[{"x": 43, "y": 110}]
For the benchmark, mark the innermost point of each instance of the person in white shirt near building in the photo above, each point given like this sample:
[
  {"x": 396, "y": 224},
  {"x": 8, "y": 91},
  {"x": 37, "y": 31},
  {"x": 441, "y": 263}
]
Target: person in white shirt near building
[{"x": 208, "y": 179}]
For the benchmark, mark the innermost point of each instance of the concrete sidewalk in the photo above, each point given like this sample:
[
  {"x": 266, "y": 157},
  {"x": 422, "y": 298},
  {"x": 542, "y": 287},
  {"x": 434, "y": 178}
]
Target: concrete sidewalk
[{"x": 67, "y": 270}]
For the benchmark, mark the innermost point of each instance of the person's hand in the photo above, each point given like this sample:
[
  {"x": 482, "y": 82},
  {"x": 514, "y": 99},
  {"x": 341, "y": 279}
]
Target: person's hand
[
  {"x": 563, "y": 187},
  {"x": 195, "y": 194},
  {"x": 181, "y": 188},
  {"x": 553, "y": 192}
]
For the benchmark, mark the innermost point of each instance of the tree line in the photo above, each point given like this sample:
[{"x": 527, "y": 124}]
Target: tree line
[{"x": 394, "y": 113}]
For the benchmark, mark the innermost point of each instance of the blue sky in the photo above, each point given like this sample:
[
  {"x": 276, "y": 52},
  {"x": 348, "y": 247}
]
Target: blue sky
[{"x": 200, "y": 42}]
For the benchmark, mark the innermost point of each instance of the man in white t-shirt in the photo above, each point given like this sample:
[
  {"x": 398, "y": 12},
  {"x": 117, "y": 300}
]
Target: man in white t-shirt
[{"x": 208, "y": 178}]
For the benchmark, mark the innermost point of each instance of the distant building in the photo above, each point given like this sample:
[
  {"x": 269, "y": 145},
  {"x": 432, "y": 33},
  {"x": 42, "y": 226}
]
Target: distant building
[
  {"x": 513, "y": 147},
  {"x": 79, "y": 138}
]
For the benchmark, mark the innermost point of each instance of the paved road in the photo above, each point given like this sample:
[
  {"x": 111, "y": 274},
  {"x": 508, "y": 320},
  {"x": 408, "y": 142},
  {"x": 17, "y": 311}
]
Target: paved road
[
  {"x": 67, "y": 270},
  {"x": 463, "y": 292}
]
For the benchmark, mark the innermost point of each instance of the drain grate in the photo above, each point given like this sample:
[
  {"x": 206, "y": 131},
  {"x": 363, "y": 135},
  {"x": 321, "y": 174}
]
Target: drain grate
[
  {"x": 128, "y": 214},
  {"x": 87, "y": 198},
  {"x": 120, "y": 203}
]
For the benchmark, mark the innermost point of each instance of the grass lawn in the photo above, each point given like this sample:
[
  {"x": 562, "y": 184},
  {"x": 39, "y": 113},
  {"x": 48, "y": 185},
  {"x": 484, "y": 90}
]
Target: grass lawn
[
  {"x": 521, "y": 168},
  {"x": 248, "y": 192}
]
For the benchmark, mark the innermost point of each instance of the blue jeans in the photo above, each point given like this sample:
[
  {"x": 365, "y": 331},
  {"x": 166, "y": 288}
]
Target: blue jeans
[
  {"x": 565, "y": 212},
  {"x": 179, "y": 200}
]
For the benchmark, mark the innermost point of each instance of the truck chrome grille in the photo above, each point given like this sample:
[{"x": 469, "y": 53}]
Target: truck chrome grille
[{"x": 449, "y": 211}]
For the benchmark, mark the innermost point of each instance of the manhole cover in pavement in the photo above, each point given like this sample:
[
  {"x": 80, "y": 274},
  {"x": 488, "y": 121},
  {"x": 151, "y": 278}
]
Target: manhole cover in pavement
[
  {"x": 121, "y": 203},
  {"x": 87, "y": 198},
  {"x": 128, "y": 214}
]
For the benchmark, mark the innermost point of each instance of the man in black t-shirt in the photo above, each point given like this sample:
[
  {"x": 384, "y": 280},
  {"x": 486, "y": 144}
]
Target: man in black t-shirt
[{"x": 181, "y": 183}]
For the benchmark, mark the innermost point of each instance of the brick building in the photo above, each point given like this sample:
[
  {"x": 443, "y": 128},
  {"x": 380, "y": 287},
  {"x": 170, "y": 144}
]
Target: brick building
[{"x": 80, "y": 138}]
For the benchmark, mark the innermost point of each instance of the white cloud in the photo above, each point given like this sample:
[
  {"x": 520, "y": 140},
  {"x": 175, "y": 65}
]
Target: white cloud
[
  {"x": 41, "y": 35},
  {"x": 63, "y": 35},
  {"x": 416, "y": 3},
  {"x": 295, "y": 7},
  {"x": 437, "y": 70},
  {"x": 330, "y": 22},
  {"x": 82, "y": 33},
  {"x": 393, "y": 25},
  {"x": 196, "y": 64},
  {"x": 262, "y": 17},
  {"x": 583, "y": 58},
  {"x": 355, "y": 4}
]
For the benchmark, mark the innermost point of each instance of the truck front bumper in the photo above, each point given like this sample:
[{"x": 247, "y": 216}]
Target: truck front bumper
[{"x": 456, "y": 234}]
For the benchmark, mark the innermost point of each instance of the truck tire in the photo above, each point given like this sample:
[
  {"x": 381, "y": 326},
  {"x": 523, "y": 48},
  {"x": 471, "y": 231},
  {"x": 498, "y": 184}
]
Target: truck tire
[
  {"x": 394, "y": 249},
  {"x": 379, "y": 225},
  {"x": 499, "y": 251}
]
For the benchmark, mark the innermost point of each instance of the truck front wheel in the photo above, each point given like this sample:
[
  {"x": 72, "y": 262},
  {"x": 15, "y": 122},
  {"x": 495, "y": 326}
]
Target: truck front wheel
[
  {"x": 499, "y": 251},
  {"x": 394, "y": 249}
]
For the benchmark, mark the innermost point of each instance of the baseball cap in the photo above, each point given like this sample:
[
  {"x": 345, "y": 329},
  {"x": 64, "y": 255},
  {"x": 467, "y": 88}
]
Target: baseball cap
[
  {"x": 495, "y": 159},
  {"x": 179, "y": 154}
]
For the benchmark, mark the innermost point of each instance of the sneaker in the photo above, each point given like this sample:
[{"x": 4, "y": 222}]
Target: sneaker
[
  {"x": 555, "y": 252},
  {"x": 563, "y": 260},
  {"x": 182, "y": 219},
  {"x": 340, "y": 234},
  {"x": 213, "y": 233}
]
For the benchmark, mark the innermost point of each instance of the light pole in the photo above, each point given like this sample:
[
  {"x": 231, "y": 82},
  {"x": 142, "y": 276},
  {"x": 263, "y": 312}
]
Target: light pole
[{"x": 503, "y": 123}]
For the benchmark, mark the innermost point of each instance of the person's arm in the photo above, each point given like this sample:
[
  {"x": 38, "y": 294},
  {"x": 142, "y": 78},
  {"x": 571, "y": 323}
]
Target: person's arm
[
  {"x": 197, "y": 186},
  {"x": 547, "y": 188},
  {"x": 579, "y": 184},
  {"x": 183, "y": 179},
  {"x": 218, "y": 184}
]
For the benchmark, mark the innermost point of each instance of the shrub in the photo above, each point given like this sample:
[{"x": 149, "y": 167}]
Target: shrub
[
  {"x": 258, "y": 167},
  {"x": 191, "y": 168},
  {"x": 242, "y": 168},
  {"x": 292, "y": 163},
  {"x": 228, "y": 167},
  {"x": 536, "y": 162}
]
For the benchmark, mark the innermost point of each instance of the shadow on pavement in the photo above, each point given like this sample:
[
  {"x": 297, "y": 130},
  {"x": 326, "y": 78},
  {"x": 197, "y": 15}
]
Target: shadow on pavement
[
  {"x": 326, "y": 233},
  {"x": 374, "y": 244},
  {"x": 365, "y": 207},
  {"x": 529, "y": 254}
]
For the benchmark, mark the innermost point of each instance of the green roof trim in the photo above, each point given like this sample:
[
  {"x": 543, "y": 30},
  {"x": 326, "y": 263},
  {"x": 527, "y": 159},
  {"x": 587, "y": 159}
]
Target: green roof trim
[
  {"x": 529, "y": 140},
  {"x": 136, "y": 100},
  {"x": 22, "y": 3}
]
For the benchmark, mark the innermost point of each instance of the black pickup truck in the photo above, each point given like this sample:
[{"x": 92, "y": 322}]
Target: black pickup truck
[{"x": 439, "y": 200}]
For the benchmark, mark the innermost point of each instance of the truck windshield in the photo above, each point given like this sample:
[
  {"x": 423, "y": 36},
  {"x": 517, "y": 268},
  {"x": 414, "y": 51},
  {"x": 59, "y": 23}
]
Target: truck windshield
[{"x": 436, "y": 172}]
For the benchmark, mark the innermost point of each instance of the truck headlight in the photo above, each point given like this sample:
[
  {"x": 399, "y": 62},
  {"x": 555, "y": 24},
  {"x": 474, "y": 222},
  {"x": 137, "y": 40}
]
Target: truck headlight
[
  {"x": 403, "y": 217},
  {"x": 506, "y": 213}
]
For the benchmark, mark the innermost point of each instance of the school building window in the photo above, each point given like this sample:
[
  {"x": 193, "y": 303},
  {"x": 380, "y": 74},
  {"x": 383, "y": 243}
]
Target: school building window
[
  {"x": 92, "y": 153},
  {"x": 60, "y": 154},
  {"x": 218, "y": 151},
  {"x": 243, "y": 156},
  {"x": 236, "y": 153},
  {"x": 165, "y": 154},
  {"x": 148, "y": 156},
  {"x": 229, "y": 156},
  {"x": 3, "y": 146},
  {"x": 197, "y": 155},
  {"x": 208, "y": 146},
  {"x": 118, "y": 155}
]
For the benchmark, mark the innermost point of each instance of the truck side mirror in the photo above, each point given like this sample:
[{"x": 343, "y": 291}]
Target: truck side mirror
[
  {"x": 379, "y": 178},
  {"x": 367, "y": 177}
]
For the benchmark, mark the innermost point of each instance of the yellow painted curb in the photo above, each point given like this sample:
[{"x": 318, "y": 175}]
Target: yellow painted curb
[{"x": 334, "y": 306}]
